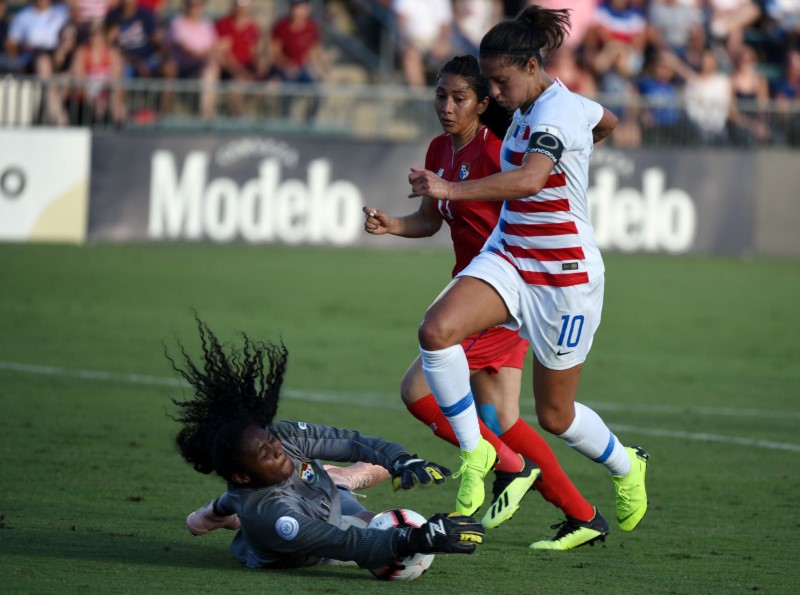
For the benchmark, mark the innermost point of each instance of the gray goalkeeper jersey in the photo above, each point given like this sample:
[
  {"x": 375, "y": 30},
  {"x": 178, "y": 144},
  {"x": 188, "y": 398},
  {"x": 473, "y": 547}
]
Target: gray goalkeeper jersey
[{"x": 299, "y": 522}]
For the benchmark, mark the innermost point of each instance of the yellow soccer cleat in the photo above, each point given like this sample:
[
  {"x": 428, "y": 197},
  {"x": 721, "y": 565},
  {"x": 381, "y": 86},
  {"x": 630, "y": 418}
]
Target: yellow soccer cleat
[
  {"x": 475, "y": 465},
  {"x": 508, "y": 491},
  {"x": 631, "y": 493},
  {"x": 573, "y": 533}
]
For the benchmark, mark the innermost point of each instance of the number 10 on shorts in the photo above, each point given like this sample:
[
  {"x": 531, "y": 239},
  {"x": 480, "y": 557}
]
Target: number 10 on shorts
[{"x": 571, "y": 329}]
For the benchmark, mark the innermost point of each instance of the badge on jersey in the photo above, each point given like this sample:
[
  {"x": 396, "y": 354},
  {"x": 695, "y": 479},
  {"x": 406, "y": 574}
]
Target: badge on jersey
[
  {"x": 440, "y": 173},
  {"x": 463, "y": 174},
  {"x": 287, "y": 528},
  {"x": 522, "y": 133},
  {"x": 307, "y": 473}
]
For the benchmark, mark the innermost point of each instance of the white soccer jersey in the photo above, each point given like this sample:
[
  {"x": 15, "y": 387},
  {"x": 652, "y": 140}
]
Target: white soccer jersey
[{"x": 548, "y": 237}]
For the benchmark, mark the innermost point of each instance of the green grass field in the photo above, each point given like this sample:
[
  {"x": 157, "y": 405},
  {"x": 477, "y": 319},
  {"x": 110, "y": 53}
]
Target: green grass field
[{"x": 696, "y": 359}]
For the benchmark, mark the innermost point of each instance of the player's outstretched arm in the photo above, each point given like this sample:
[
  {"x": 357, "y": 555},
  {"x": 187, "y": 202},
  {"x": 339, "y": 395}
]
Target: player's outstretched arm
[
  {"x": 443, "y": 533},
  {"x": 422, "y": 223},
  {"x": 408, "y": 470}
]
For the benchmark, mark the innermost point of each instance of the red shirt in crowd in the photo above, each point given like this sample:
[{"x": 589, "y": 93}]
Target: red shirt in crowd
[
  {"x": 296, "y": 43},
  {"x": 244, "y": 40}
]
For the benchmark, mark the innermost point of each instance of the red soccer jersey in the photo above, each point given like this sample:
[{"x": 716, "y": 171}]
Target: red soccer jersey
[
  {"x": 296, "y": 43},
  {"x": 470, "y": 221}
]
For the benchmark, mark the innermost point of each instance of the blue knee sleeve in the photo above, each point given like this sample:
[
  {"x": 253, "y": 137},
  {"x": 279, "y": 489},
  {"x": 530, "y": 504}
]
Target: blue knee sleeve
[{"x": 489, "y": 416}]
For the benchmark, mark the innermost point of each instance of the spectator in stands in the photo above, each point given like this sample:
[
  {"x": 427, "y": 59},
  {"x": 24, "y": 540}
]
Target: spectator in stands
[
  {"x": 33, "y": 37},
  {"x": 239, "y": 37},
  {"x": 751, "y": 99},
  {"x": 582, "y": 18},
  {"x": 709, "y": 98},
  {"x": 35, "y": 45},
  {"x": 157, "y": 7},
  {"x": 3, "y": 26},
  {"x": 661, "y": 117},
  {"x": 787, "y": 100},
  {"x": 295, "y": 52},
  {"x": 98, "y": 65},
  {"x": 87, "y": 12},
  {"x": 193, "y": 54},
  {"x": 138, "y": 38},
  {"x": 783, "y": 22},
  {"x": 565, "y": 64},
  {"x": 622, "y": 30},
  {"x": 471, "y": 20},
  {"x": 425, "y": 32},
  {"x": 615, "y": 66},
  {"x": 675, "y": 24},
  {"x": 728, "y": 20}
]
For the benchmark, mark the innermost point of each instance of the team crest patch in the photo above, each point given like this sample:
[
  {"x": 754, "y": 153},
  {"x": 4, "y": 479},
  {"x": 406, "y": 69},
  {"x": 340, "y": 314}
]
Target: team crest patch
[
  {"x": 522, "y": 133},
  {"x": 463, "y": 174},
  {"x": 307, "y": 473},
  {"x": 287, "y": 528},
  {"x": 440, "y": 172}
]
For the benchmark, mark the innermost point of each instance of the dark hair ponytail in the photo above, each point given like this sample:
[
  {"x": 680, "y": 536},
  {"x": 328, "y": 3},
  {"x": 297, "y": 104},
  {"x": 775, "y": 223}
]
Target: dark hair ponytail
[
  {"x": 533, "y": 33},
  {"x": 232, "y": 391},
  {"x": 494, "y": 117}
]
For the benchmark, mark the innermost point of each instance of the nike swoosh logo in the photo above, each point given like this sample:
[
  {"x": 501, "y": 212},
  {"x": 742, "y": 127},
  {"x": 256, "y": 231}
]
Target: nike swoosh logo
[{"x": 560, "y": 353}]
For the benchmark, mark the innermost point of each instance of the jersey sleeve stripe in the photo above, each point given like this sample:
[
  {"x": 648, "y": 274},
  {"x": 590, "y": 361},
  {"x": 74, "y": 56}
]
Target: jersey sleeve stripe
[
  {"x": 538, "y": 206},
  {"x": 538, "y": 229},
  {"x": 513, "y": 157}
]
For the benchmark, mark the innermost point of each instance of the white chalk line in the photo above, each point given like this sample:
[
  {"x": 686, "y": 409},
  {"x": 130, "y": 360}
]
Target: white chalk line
[{"x": 384, "y": 401}]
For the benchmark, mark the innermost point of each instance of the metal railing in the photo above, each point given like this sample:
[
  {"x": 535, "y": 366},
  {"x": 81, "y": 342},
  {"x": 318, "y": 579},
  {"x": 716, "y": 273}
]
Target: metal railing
[{"x": 351, "y": 111}]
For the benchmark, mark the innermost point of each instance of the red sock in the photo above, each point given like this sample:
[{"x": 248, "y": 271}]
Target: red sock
[
  {"x": 554, "y": 484},
  {"x": 427, "y": 411}
]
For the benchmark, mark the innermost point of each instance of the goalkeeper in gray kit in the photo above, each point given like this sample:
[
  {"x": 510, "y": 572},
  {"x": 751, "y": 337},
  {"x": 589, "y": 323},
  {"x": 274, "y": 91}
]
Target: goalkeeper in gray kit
[{"x": 291, "y": 510}]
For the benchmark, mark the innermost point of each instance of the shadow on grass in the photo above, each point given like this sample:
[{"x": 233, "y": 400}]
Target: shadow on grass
[{"x": 131, "y": 549}]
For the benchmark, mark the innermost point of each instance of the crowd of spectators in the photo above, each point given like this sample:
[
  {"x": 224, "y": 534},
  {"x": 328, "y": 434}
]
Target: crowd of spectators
[
  {"x": 101, "y": 42},
  {"x": 674, "y": 71}
]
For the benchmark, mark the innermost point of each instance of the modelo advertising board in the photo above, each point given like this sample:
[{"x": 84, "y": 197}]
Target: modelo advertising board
[
  {"x": 259, "y": 189},
  {"x": 44, "y": 185}
]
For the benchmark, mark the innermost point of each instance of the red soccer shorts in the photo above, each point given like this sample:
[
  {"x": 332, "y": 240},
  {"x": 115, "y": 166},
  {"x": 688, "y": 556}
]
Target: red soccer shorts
[{"x": 495, "y": 348}]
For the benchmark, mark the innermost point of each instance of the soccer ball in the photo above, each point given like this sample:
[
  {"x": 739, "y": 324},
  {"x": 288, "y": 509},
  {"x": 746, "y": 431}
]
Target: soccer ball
[{"x": 406, "y": 569}]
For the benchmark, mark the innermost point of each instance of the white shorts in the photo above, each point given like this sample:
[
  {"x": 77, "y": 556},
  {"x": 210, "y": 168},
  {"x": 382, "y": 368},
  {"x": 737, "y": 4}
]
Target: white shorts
[{"x": 559, "y": 322}]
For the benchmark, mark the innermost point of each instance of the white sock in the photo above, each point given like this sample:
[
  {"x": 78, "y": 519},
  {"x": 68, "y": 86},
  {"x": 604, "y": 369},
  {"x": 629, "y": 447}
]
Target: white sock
[
  {"x": 447, "y": 373},
  {"x": 590, "y": 436}
]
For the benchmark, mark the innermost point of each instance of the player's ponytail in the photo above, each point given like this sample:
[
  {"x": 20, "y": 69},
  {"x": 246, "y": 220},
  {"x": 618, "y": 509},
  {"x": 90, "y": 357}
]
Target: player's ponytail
[
  {"x": 533, "y": 33},
  {"x": 232, "y": 391},
  {"x": 494, "y": 117}
]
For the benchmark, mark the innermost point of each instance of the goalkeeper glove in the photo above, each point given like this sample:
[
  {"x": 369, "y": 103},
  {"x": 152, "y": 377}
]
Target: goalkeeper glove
[
  {"x": 443, "y": 533},
  {"x": 407, "y": 470}
]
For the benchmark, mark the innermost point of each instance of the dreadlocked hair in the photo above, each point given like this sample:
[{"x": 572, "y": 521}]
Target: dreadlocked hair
[
  {"x": 232, "y": 391},
  {"x": 494, "y": 117},
  {"x": 533, "y": 33}
]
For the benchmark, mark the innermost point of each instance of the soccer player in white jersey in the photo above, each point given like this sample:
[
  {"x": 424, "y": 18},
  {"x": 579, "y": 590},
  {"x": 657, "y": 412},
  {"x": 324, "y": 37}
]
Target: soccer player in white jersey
[{"x": 540, "y": 271}]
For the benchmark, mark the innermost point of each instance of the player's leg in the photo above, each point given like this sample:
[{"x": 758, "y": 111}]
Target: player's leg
[
  {"x": 560, "y": 323},
  {"x": 467, "y": 306},
  {"x": 491, "y": 388},
  {"x": 420, "y": 402},
  {"x": 582, "y": 429}
]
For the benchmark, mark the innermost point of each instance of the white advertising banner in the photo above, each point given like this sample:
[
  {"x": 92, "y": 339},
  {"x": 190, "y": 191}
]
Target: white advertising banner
[{"x": 44, "y": 184}]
